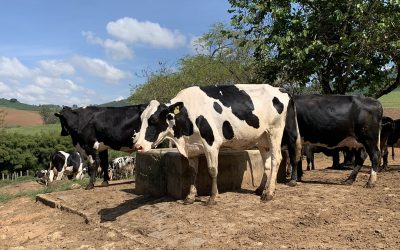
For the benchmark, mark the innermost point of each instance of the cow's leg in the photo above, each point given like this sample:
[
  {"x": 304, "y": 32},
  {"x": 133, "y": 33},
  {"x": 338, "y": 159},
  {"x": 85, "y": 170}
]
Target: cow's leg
[
  {"x": 309, "y": 161},
  {"x": 212, "y": 163},
  {"x": 276, "y": 158},
  {"x": 92, "y": 170},
  {"x": 193, "y": 163},
  {"x": 103, "y": 155},
  {"x": 60, "y": 174},
  {"x": 79, "y": 174},
  {"x": 335, "y": 159},
  {"x": 266, "y": 159},
  {"x": 51, "y": 175},
  {"x": 312, "y": 161},
  {"x": 360, "y": 157},
  {"x": 375, "y": 156},
  {"x": 385, "y": 154}
]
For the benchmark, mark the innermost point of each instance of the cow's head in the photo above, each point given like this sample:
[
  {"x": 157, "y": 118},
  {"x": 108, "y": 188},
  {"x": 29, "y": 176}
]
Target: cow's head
[
  {"x": 158, "y": 122},
  {"x": 68, "y": 120}
]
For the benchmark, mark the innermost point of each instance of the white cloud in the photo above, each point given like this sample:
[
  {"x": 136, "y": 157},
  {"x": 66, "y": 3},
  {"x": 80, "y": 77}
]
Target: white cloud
[
  {"x": 100, "y": 68},
  {"x": 12, "y": 67},
  {"x": 57, "y": 67},
  {"x": 119, "y": 98},
  {"x": 4, "y": 88},
  {"x": 133, "y": 31},
  {"x": 117, "y": 50},
  {"x": 33, "y": 90}
]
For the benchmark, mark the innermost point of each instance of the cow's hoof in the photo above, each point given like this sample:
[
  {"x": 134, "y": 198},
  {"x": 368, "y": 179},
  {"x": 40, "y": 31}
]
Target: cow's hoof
[
  {"x": 348, "y": 182},
  {"x": 89, "y": 186},
  {"x": 188, "y": 201},
  {"x": 266, "y": 197},
  {"x": 259, "y": 191},
  {"x": 104, "y": 184},
  {"x": 211, "y": 202},
  {"x": 369, "y": 185},
  {"x": 292, "y": 183}
]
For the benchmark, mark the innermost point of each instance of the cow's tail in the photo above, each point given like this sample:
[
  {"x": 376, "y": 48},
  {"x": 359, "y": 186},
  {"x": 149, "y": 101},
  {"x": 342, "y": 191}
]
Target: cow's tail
[{"x": 293, "y": 127}]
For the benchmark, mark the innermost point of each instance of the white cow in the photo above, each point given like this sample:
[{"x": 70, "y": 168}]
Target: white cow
[{"x": 201, "y": 120}]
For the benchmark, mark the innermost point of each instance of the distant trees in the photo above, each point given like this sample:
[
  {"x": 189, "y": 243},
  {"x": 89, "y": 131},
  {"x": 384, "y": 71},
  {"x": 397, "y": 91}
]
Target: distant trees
[
  {"x": 29, "y": 152},
  {"x": 47, "y": 113}
]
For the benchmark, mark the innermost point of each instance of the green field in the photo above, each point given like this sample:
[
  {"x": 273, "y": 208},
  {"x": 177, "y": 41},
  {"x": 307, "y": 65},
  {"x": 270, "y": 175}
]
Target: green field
[
  {"x": 391, "y": 100},
  {"x": 36, "y": 129}
]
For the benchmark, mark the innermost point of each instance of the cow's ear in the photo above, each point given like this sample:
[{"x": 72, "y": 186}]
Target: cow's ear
[
  {"x": 175, "y": 108},
  {"x": 57, "y": 114}
]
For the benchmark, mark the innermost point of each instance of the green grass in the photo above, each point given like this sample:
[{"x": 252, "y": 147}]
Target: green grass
[
  {"x": 53, "y": 187},
  {"x": 56, "y": 128},
  {"x": 391, "y": 100}
]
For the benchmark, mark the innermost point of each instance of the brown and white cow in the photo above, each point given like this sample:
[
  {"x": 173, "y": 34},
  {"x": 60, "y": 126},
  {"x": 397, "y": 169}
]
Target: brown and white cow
[{"x": 201, "y": 120}]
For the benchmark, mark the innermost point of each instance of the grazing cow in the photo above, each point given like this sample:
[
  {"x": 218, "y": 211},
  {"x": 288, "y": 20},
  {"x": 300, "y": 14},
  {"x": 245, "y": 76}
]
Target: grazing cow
[
  {"x": 201, "y": 120},
  {"x": 61, "y": 162},
  {"x": 122, "y": 167},
  {"x": 390, "y": 136},
  {"x": 95, "y": 129},
  {"x": 341, "y": 121}
]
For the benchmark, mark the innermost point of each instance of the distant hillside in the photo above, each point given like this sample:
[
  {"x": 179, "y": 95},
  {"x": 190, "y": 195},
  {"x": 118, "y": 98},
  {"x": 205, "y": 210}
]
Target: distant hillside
[
  {"x": 120, "y": 103},
  {"x": 15, "y": 104}
]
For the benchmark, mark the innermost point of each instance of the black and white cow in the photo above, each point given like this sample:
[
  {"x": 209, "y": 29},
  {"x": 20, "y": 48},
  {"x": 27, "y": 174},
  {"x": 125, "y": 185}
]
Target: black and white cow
[
  {"x": 63, "y": 163},
  {"x": 201, "y": 120},
  {"x": 95, "y": 129},
  {"x": 341, "y": 121},
  {"x": 121, "y": 167}
]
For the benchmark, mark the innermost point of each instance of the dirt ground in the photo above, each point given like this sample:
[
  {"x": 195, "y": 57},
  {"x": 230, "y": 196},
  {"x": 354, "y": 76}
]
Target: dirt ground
[{"x": 318, "y": 213}]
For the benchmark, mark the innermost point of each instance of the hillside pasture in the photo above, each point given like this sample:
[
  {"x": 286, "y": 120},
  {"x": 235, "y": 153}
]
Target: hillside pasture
[{"x": 23, "y": 118}]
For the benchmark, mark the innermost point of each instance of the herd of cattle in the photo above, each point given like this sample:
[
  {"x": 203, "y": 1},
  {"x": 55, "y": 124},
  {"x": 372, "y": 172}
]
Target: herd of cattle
[{"x": 202, "y": 120}]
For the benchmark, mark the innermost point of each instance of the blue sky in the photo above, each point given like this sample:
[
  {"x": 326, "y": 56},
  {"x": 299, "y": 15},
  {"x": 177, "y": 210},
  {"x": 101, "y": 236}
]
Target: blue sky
[{"x": 90, "y": 51}]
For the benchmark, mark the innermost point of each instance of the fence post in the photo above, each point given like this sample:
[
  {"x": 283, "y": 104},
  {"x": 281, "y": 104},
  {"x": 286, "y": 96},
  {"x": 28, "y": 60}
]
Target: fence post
[
  {"x": 27, "y": 172},
  {"x": 20, "y": 173},
  {"x": 2, "y": 176}
]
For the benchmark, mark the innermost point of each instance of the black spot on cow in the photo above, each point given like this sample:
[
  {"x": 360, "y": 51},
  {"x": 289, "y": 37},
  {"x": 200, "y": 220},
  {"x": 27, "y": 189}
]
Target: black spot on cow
[
  {"x": 157, "y": 123},
  {"x": 238, "y": 100},
  {"x": 205, "y": 129},
  {"x": 277, "y": 105},
  {"x": 227, "y": 130},
  {"x": 217, "y": 107},
  {"x": 183, "y": 125}
]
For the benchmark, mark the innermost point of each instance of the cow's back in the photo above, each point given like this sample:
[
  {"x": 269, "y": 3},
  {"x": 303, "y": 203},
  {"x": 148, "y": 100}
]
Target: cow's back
[
  {"x": 329, "y": 120},
  {"x": 235, "y": 111}
]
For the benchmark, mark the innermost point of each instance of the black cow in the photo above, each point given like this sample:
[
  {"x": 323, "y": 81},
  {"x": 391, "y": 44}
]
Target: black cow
[
  {"x": 390, "y": 136},
  {"x": 309, "y": 150},
  {"x": 95, "y": 129},
  {"x": 341, "y": 121}
]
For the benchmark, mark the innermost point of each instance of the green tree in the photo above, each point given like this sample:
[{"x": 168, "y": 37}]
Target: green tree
[
  {"x": 338, "y": 46},
  {"x": 220, "y": 59},
  {"x": 47, "y": 113}
]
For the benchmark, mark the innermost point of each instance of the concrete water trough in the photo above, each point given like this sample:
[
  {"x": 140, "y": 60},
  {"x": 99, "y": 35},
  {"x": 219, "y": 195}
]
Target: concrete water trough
[{"x": 162, "y": 172}]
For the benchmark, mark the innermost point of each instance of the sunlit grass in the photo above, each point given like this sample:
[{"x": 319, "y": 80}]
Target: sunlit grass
[{"x": 391, "y": 100}]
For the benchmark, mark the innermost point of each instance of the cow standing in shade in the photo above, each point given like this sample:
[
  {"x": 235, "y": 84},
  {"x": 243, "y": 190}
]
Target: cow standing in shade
[
  {"x": 63, "y": 163},
  {"x": 341, "y": 121},
  {"x": 96, "y": 129},
  {"x": 201, "y": 120}
]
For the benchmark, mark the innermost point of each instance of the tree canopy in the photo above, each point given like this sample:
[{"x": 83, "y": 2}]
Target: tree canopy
[{"x": 338, "y": 46}]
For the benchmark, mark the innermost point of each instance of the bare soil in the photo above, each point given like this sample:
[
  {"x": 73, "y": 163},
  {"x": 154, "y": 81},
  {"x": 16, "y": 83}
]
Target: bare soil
[
  {"x": 319, "y": 213},
  {"x": 16, "y": 117}
]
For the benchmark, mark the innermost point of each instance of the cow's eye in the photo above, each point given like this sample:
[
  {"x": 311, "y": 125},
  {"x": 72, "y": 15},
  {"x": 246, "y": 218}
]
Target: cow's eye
[{"x": 152, "y": 120}]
